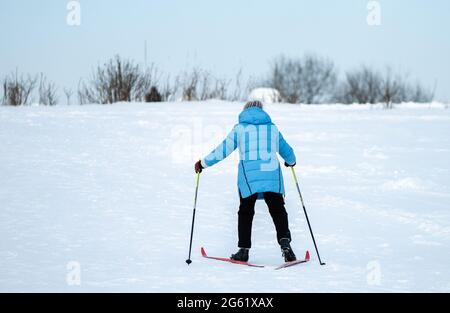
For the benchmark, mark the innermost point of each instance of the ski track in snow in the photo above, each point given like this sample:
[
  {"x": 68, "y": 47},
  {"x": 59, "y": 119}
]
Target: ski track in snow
[{"x": 111, "y": 187}]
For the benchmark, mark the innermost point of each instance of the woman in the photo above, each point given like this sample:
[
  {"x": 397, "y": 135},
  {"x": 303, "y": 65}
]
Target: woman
[{"x": 259, "y": 176}]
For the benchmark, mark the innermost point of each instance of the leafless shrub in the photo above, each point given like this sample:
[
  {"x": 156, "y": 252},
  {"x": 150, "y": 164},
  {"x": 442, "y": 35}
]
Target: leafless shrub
[
  {"x": 395, "y": 88},
  {"x": 418, "y": 93},
  {"x": 319, "y": 79},
  {"x": 242, "y": 88},
  {"x": 189, "y": 85},
  {"x": 236, "y": 94},
  {"x": 199, "y": 85},
  {"x": 169, "y": 89},
  {"x": 310, "y": 79},
  {"x": 285, "y": 76},
  {"x": 366, "y": 85},
  {"x": 213, "y": 88},
  {"x": 149, "y": 79},
  {"x": 81, "y": 93},
  {"x": 68, "y": 93},
  {"x": 363, "y": 85},
  {"x": 17, "y": 89},
  {"x": 153, "y": 95},
  {"x": 117, "y": 80},
  {"x": 47, "y": 92}
]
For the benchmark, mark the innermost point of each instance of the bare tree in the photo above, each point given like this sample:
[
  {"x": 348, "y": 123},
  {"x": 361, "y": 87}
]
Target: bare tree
[
  {"x": 310, "y": 79},
  {"x": 17, "y": 90}
]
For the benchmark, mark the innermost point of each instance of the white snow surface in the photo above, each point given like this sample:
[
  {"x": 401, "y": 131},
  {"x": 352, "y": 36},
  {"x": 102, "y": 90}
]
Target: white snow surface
[{"x": 110, "y": 189}]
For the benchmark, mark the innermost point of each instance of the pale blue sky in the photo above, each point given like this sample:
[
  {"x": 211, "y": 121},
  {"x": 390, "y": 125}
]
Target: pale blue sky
[{"x": 223, "y": 36}]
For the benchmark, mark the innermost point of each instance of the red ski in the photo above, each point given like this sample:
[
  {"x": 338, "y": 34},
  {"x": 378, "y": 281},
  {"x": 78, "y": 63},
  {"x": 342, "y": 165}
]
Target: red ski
[
  {"x": 289, "y": 264},
  {"x": 228, "y": 260}
]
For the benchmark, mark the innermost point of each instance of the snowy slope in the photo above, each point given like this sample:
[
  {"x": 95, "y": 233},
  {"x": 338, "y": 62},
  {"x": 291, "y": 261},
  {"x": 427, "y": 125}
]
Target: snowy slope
[{"x": 111, "y": 189}]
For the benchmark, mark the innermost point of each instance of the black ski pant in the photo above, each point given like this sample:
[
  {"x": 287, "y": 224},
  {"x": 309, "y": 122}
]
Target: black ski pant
[{"x": 275, "y": 203}]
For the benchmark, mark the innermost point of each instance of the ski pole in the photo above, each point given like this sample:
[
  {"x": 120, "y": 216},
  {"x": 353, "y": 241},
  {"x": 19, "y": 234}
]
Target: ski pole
[
  {"x": 189, "y": 261},
  {"x": 306, "y": 214}
]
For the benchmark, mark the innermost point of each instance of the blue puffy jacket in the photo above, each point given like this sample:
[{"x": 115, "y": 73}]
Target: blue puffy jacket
[{"x": 259, "y": 141}]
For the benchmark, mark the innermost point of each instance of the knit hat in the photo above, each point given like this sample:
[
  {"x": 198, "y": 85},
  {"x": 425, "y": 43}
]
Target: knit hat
[{"x": 253, "y": 104}]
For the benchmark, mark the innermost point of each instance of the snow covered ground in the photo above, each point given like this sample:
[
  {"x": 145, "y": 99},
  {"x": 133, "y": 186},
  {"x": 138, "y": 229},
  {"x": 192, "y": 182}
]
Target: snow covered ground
[{"x": 108, "y": 191}]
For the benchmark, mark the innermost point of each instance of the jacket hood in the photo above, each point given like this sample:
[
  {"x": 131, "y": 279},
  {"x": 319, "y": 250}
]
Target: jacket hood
[{"x": 255, "y": 116}]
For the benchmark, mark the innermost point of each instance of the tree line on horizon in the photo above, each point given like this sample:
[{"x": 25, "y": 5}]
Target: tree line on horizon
[{"x": 309, "y": 79}]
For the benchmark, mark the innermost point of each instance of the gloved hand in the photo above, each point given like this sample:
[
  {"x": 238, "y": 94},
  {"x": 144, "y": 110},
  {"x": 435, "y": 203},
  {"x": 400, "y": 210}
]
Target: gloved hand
[
  {"x": 198, "y": 167},
  {"x": 288, "y": 165}
]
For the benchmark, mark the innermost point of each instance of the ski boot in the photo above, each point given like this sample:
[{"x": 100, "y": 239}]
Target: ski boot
[
  {"x": 288, "y": 254},
  {"x": 241, "y": 255}
]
